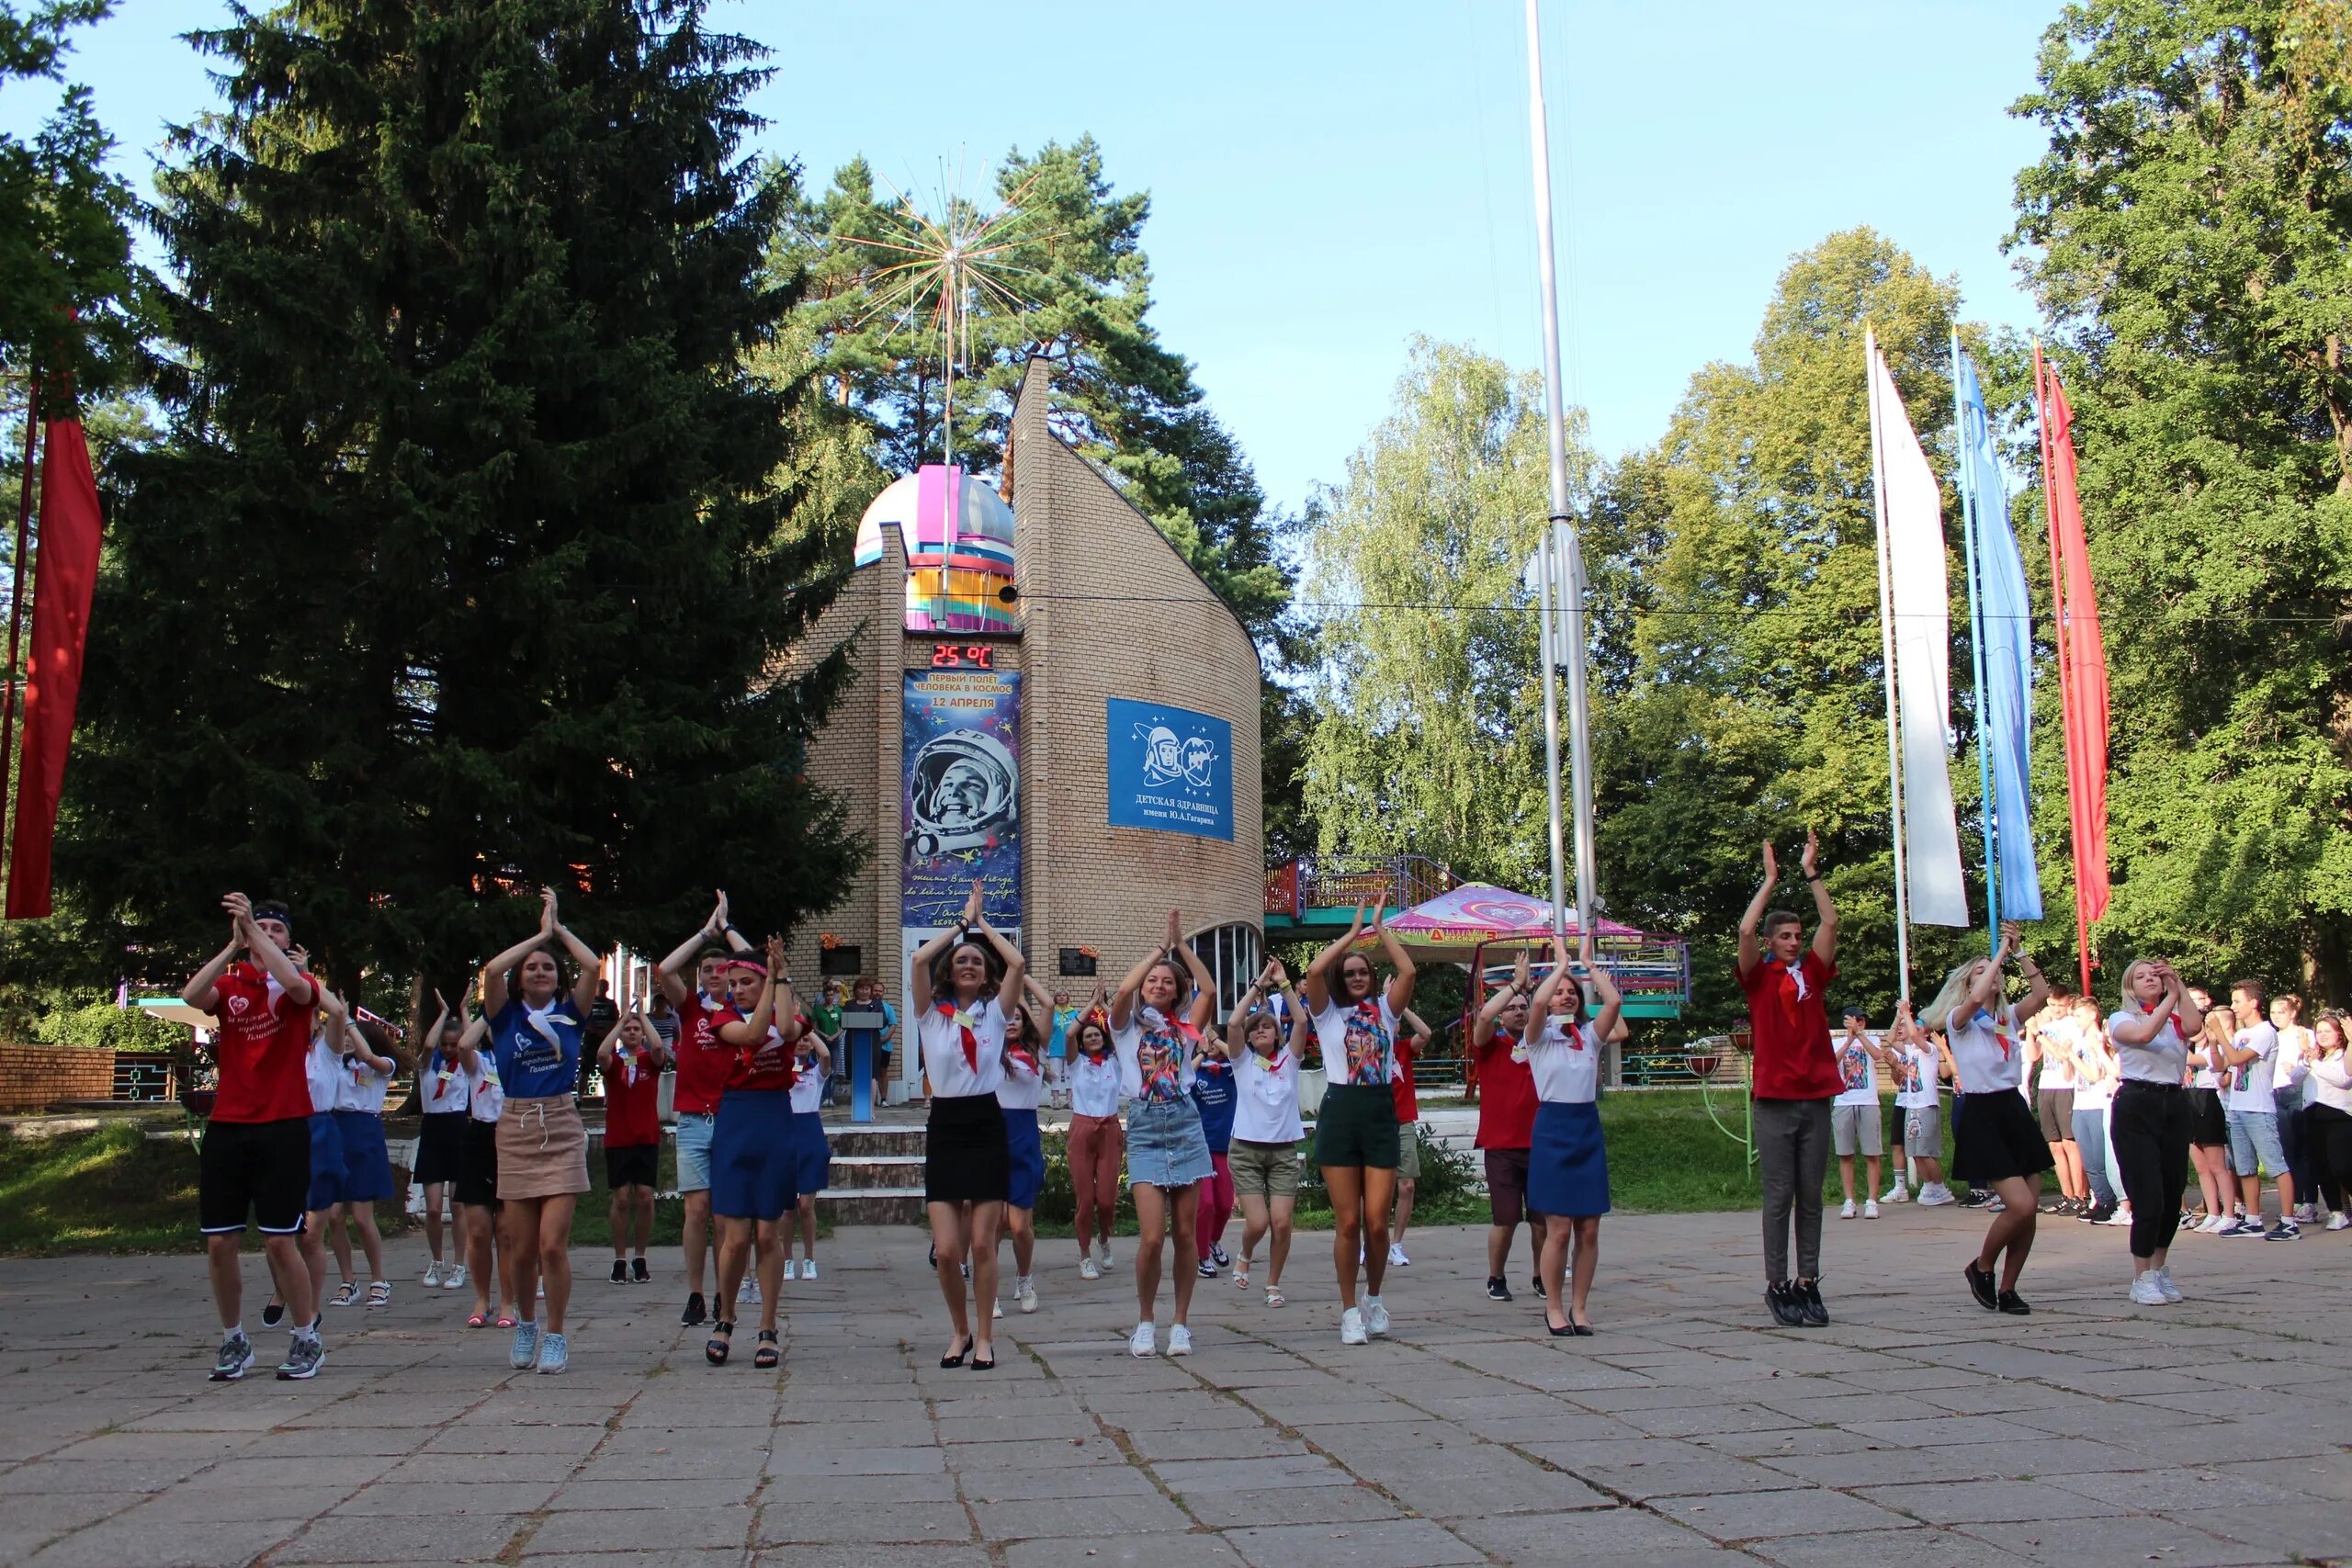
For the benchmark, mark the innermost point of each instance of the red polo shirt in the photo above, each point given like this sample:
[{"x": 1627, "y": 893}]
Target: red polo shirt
[
  {"x": 1788, "y": 1012},
  {"x": 1408, "y": 1104},
  {"x": 1506, "y": 1095},
  {"x": 632, "y": 1100},
  {"x": 704, "y": 1059},
  {"x": 262, "y": 1045}
]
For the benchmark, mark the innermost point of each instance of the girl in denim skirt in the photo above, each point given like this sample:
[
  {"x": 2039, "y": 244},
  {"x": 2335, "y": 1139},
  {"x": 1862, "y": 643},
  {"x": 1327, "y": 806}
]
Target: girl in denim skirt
[{"x": 1157, "y": 1030}]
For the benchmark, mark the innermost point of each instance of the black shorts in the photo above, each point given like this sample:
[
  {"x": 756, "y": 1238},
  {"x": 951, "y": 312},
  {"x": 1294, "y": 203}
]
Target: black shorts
[
  {"x": 1997, "y": 1138},
  {"x": 2209, "y": 1125},
  {"x": 264, "y": 1166},
  {"x": 440, "y": 1148},
  {"x": 1357, "y": 1126},
  {"x": 478, "y": 1166},
  {"x": 632, "y": 1165}
]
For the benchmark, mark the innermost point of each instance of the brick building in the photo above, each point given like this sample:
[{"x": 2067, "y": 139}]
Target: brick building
[{"x": 1071, "y": 714}]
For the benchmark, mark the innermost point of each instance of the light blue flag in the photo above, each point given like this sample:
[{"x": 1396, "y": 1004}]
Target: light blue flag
[{"x": 2007, "y": 647}]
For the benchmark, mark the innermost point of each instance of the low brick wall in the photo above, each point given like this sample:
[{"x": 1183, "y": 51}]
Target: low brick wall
[{"x": 34, "y": 1078}]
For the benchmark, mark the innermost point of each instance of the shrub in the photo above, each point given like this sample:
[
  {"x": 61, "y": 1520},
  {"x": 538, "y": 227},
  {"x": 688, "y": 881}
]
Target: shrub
[{"x": 103, "y": 1026}]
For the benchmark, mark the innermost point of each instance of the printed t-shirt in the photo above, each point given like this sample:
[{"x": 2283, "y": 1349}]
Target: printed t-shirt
[
  {"x": 1857, "y": 1071},
  {"x": 2249, "y": 1089},
  {"x": 1915, "y": 1076},
  {"x": 632, "y": 1096},
  {"x": 2057, "y": 1069},
  {"x": 1154, "y": 1055},
  {"x": 260, "y": 1047},
  {"x": 1506, "y": 1093},
  {"x": 1789, "y": 1024},
  {"x": 807, "y": 1083},
  {"x": 539, "y": 1052},
  {"x": 1359, "y": 1042},
  {"x": 763, "y": 1068},
  {"x": 1214, "y": 1089}
]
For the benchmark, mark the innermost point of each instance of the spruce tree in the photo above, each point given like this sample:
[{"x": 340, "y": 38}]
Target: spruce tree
[{"x": 468, "y": 559}]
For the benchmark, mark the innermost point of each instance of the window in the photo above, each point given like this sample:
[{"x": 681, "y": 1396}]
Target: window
[{"x": 1235, "y": 954}]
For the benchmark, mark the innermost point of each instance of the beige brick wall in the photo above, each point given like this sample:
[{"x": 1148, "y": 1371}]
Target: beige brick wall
[{"x": 1109, "y": 610}]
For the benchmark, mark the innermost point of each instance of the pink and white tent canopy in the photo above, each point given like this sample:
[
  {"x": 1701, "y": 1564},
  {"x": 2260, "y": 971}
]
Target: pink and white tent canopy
[{"x": 1455, "y": 924}]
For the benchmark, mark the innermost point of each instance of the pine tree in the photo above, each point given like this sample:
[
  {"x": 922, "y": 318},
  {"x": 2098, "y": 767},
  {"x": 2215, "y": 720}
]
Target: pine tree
[{"x": 467, "y": 560}]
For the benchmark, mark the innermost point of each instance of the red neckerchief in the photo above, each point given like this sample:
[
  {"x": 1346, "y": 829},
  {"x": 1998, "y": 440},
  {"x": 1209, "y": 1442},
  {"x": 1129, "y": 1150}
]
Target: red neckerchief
[
  {"x": 1575, "y": 1033},
  {"x": 971, "y": 1041},
  {"x": 1792, "y": 982},
  {"x": 1021, "y": 1056},
  {"x": 2174, "y": 1020}
]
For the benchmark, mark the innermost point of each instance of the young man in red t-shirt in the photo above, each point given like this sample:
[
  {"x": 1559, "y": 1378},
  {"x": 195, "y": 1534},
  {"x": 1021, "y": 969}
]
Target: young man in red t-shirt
[
  {"x": 1507, "y": 1127},
  {"x": 1785, "y": 980},
  {"x": 703, "y": 1064},
  {"x": 631, "y": 1061},
  {"x": 257, "y": 1153}
]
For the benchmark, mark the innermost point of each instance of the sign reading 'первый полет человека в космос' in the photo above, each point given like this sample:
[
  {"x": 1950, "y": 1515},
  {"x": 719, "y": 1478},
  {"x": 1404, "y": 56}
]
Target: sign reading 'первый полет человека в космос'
[
  {"x": 960, "y": 796},
  {"x": 1170, "y": 768}
]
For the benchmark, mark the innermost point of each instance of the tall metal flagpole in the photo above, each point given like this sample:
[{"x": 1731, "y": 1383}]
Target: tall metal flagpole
[
  {"x": 1549, "y": 654},
  {"x": 1968, "y": 477},
  {"x": 1886, "y": 647},
  {"x": 1563, "y": 561}
]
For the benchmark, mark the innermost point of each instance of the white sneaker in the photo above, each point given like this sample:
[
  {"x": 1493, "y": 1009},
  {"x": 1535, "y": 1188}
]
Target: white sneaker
[
  {"x": 2339, "y": 1221},
  {"x": 1375, "y": 1317},
  {"x": 996, "y": 1310},
  {"x": 453, "y": 1277},
  {"x": 2215, "y": 1224},
  {"x": 1869, "y": 1208},
  {"x": 2145, "y": 1292},
  {"x": 1179, "y": 1341},
  {"x": 1106, "y": 1258},
  {"x": 1351, "y": 1328},
  {"x": 1934, "y": 1195},
  {"x": 751, "y": 1289},
  {"x": 1898, "y": 1193},
  {"x": 1397, "y": 1258},
  {"x": 792, "y": 1268},
  {"x": 1089, "y": 1269},
  {"x": 2164, "y": 1284},
  {"x": 1024, "y": 1293},
  {"x": 433, "y": 1274},
  {"x": 807, "y": 1267},
  {"x": 1140, "y": 1343},
  {"x": 1848, "y": 1211}
]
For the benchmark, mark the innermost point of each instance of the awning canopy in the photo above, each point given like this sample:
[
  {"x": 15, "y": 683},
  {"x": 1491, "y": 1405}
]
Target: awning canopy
[{"x": 1457, "y": 922}]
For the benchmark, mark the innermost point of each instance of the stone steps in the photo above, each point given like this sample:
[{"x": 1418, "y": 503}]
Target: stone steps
[{"x": 876, "y": 1178}]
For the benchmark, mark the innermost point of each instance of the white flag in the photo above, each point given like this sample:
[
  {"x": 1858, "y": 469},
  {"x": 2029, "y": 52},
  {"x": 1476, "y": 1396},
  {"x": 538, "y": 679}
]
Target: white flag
[{"x": 1911, "y": 509}]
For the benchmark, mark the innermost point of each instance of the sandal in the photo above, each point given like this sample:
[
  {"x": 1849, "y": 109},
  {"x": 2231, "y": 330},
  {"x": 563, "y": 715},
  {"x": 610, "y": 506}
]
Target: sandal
[
  {"x": 478, "y": 1320},
  {"x": 767, "y": 1355},
  {"x": 380, "y": 1294},
  {"x": 1274, "y": 1297},
  {"x": 1241, "y": 1275},
  {"x": 346, "y": 1296},
  {"x": 715, "y": 1348},
  {"x": 506, "y": 1317}
]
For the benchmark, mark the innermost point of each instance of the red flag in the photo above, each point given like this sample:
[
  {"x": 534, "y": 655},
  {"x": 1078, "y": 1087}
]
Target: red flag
[
  {"x": 66, "y": 569},
  {"x": 2082, "y": 655}
]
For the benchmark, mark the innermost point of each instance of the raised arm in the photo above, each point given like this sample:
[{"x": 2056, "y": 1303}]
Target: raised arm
[
  {"x": 669, "y": 974},
  {"x": 608, "y": 1054},
  {"x": 1482, "y": 1028},
  {"x": 1612, "y": 1006},
  {"x": 1539, "y": 1006},
  {"x": 494, "y": 973},
  {"x": 590, "y": 962},
  {"x": 655, "y": 1046},
  {"x": 266, "y": 953},
  {"x": 200, "y": 992},
  {"x": 753, "y": 1030},
  {"x": 1824, "y": 913},
  {"x": 440, "y": 1025},
  {"x": 1316, "y": 986},
  {"x": 1749, "y": 954},
  {"x": 1400, "y": 984},
  {"x": 1203, "y": 1006},
  {"x": 1016, "y": 967},
  {"x": 1236, "y": 1028},
  {"x": 1122, "y": 1001}
]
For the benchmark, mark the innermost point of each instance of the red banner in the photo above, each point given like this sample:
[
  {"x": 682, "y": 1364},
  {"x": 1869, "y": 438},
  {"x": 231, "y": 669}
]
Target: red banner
[
  {"x": 2081, "y": 655},
  {"x": 65, "y": 573}
]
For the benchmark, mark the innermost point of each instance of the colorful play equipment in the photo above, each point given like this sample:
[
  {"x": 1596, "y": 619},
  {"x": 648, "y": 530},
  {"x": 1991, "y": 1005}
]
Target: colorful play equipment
[{"x": 957, "y": 534}]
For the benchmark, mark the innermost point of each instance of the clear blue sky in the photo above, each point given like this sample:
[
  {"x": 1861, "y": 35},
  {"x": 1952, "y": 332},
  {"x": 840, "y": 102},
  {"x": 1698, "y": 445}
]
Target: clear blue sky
[{"x": 1329, "y": 178}]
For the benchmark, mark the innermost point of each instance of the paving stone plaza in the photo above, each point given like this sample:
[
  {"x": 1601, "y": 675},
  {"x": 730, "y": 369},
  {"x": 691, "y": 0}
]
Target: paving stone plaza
[{"x": 1918, "y": 1430}]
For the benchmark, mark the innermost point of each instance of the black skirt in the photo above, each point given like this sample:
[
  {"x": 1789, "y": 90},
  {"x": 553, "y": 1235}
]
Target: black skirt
[
  {"x": 1995, "y": 1137},
  {"x": 964, "y": 1159}
]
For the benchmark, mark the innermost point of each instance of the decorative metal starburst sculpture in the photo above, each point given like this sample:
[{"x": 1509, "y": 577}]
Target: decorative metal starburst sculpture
[{"x": 953, "y": 263}]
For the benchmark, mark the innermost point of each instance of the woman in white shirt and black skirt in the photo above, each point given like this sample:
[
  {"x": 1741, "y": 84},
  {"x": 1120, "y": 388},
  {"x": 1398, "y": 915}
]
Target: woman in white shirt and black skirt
[
  {"x": 959, "y": 978},
  {"x": 1996, "y": 1140}
]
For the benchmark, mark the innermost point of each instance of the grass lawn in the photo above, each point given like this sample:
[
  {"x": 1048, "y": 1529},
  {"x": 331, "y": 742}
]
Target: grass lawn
[{"x": 117, "y": 1191}]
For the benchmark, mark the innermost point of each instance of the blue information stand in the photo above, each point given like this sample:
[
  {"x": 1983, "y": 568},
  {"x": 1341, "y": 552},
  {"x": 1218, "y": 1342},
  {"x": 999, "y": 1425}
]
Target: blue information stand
[{"x": 862, "y": 1027}]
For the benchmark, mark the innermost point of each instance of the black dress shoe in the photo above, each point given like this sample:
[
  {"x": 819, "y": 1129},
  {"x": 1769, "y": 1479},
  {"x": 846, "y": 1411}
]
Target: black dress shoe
[
  {"x": 2014, "y": 1305},
  {"x": 1980, "y": 1286}
]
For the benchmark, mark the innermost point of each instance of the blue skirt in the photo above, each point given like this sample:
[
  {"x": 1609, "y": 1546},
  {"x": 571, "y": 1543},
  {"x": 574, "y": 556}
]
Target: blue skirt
[
  {"x": 1568, "y": 1166},
  {"x": 1026, "y": 1150},
  {"x": 813, "y": 1156},
  {"x": 326, "y": 1163},
  {"x": 755, "y": 1158},
  {"x": 366, "y": 1167},
  {"x": 1165, "y": 1144}
]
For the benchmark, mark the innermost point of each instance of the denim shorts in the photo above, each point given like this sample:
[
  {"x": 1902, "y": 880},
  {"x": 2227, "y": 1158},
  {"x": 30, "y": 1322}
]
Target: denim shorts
[
  {"x": 694, "y": 1128},
  {"x": 2253, "y": 1136}
]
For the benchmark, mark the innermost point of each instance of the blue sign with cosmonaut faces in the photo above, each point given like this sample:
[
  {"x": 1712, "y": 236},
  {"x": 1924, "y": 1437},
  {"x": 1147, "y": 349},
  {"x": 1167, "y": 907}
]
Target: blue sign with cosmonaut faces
[{"x": 1170, "y": 768}]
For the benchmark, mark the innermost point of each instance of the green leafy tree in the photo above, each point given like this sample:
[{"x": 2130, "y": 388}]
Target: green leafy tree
[
  {"x": 69, "y": 291},
  {"x": 1738, "y": 644},
  {"x": 2189, "y": 234},
  {"x": 1427, "y": 732},
  {"x": 467, "y": 561}
]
